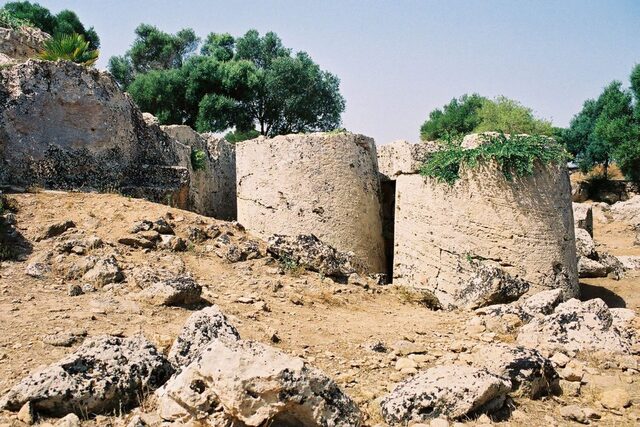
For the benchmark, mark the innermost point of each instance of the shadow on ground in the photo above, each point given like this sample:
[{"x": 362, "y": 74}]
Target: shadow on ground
[{"x": 610, "y": 298}]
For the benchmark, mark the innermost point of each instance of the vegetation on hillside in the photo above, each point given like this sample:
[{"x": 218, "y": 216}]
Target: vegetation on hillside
[
  {"x": 475, "y": 113},
  {"x": 72, "y": 48},
  {"x": 64, "y": 23},
  {"x": 515, "y": 155},
  {"x": 246, "y": 83}
]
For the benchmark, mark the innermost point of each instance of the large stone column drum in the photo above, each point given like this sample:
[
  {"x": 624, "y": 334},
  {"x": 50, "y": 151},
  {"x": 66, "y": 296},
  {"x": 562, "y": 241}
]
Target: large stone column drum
[{"x": 320, "y": 183}]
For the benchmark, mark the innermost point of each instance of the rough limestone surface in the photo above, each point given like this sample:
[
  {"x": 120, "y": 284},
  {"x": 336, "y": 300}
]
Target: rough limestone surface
[
  {"x": 490, "y": 285},
  {"x": 579, "y": 326},
  {"x": 213, "y": 187},
  {"x": 585, "y": 246},
  {"x": 66, "y": 126},
  {"x": 309, "y": 252},
  {"x": 319, "y": 183},
  {"x": 20, "y": 44},
  {"x": 177, "y": 291},
  {"x": 448, "y": 391},
  {"x": 201, "y": 328},
  {"x": 628, "y": 211},
  {"x": 403, "y": 157},
  {"x": 540, "y": 304},
  {"x": 248, "y": 383},
  {"x": 104, "y": 374},
  {"x": 525, "y": 226},
  {"x": 630, "y": 262},
  {"x": 531, "y": 374},
  {"x": 583, "y": 217}
]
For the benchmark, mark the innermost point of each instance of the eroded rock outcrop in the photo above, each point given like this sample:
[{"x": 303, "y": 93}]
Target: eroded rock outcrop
[
  {"x": 320, "y": 183},
  {"x": 65, "y": 126},
  {"x": 106, "y": 373},
  {"x": 20, "y": 44},
  {"x": 211, "y": 162},
  {"x": 247, "y": 383},
  {"x": 445, "y": 233}
]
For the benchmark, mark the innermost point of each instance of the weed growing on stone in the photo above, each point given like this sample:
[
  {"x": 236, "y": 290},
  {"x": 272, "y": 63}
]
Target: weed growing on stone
[
  {"x": 515, "y": 155},
  {"x": 198, "y": 160}
]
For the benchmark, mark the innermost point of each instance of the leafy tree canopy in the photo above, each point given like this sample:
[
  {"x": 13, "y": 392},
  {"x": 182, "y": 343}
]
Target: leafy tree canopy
[
  {"x": 475, "y": 113},
  {"x": 608, "y": 129},
  {"x": 508, "y": 116},
  {"x": 458, "y": 117},
  {"x": 64, "y": 23},
  {"x": 242, "y": 83}
]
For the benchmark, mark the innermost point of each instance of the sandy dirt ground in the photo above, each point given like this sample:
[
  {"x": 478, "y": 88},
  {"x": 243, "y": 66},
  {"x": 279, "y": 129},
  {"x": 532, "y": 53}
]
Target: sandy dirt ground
[{"x": 327, "y": 323}]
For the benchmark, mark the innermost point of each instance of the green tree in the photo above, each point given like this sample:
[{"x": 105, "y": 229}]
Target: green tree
[
  {"x": 242, "y": 83},
  {"x": 220, "y": 46},
  {"x": 607, "y": 130},
  {"x": 458, "y": 117},
  {"x": 509, "y": 116},
  {"x": 64, "y": 23},
  {"x": 151, "y": 50}
]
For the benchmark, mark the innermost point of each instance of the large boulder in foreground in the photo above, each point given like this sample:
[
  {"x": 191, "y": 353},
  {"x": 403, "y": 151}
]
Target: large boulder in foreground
[
  {"x": 250, "y": 384},
  {"x": 66, "y": 126},
  {"x": 321, "y": 183},
  {"x": 104, "y": 374},
  {"x": 445, "y": 391},
  {"x": 580, "y": 326}
]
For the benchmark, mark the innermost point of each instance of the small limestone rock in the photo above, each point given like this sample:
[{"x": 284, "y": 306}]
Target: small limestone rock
[
  {"x": 104, "y": 271},
  {"x": 37, "y": 270},
  {"x": 616, "y": 399},
  {"x": 405, "y": 363},
  {"x": 74, "y": 290},
  {"x": 574, "y": 413},
  {"x": 70, "y": 420},
  {"x": 55, "y": 229},
  {"x": 182, "y": 290},
  {"x": 573, "y": 371},
  {"x": 311, "y": 253},
  {"x": 26, "y": 414}
]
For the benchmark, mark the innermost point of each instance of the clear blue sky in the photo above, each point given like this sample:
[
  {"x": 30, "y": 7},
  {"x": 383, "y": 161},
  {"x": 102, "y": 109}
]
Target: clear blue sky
[{"x": 398, "y": 60}]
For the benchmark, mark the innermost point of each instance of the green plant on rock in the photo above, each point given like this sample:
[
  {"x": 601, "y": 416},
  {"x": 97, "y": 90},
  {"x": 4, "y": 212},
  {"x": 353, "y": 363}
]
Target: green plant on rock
[
  {"x": 515, "y": 156},
  {"x": 72, "y": 48},
  {"x": 8, "y": 20},
  {"x": 198, "y": 160}
]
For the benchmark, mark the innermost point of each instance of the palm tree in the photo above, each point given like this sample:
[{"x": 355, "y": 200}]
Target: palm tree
[{"x": 69, "y": 47}]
